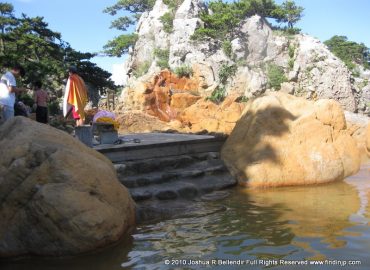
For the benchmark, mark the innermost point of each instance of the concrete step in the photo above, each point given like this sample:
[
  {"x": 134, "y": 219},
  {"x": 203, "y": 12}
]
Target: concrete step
[
  {"x": 188, "y": 188},
  {"x": 130, "y": 168},
  {"x": 201, "y": 168},
  {"x": 160, "y": 145}
]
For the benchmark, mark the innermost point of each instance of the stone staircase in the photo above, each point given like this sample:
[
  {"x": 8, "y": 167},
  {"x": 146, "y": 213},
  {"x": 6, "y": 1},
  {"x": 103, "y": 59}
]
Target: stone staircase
[{"x": 163, "y": 187}]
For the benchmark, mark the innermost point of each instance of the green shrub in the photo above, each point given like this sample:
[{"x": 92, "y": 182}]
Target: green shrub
[
  {"x": 142, "y": 69},
  {"x": 275, "y": 76},
  {"x": 292, "y": 31},
  {"x": 26, "y": 99},
  {"x": 53, "y": 108},
  {"x": 183, "y": 71},
  {"x": 218, "y": 95},
  {"x": 204, "y": 33},
  {"x": 227, "y": 48},
  {"x": 350, "y": 52},
  {"x": 167, "y": 21},
  {"x": 291, "y": 51},
  {"x": 291, "y": 63},
  {"x": 226, "y": 72},
  {"x": 162, "y": 57},
  {"x": 242, "y": 99},
  {"x": 173, "y": 4}
]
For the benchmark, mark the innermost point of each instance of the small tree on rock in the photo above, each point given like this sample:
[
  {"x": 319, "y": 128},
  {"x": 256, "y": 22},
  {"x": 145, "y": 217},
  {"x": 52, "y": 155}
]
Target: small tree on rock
[{"x": 288, "y": 12}]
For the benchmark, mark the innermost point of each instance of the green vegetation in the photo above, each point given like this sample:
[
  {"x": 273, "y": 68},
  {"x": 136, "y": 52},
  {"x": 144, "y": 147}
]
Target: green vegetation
[
  {"x": 133, "y": 10},
  {"x": 45, "y": 56},
  {"x": 227, "y": 48},
  {"x": 291, "y": 53},
  {"x": 218, "y": 95},
  {"x": 288, "y": 12},
  {"x": 162, "y": 56},
  {"x": 167, "y": 21},
  {"x": 226, "y": 71},
  {"x": 142, "y": 69},
  {"x": 183, "y": 71},
  {"x": 350, "y": 52},
  {"x": 218, "y": 24},
  {"x": 173, "y": 4},
  {"x": 242, "y": 99},
  {"x": 26, "y": 99},
  {"x": 225, "y": 16},
  {"x": 276, "y": 76},
  {"x": 53, "y": 108},
  {"x": 168, "y": 17},
  {"x": 120, "y": 45},
  {"x": 363, "y": 84},
  {"x": 291, "y": 63}
]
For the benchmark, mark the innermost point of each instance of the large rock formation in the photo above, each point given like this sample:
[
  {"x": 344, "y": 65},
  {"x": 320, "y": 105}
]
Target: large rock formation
[
  {"x": 57, "y": 197},
  {"x": 282, "y": 140},
  {"x": 368, "y": 140},
  {"x": 178, "y": 103},
  {"x": 357, "y": 125},
  {"x": 312, "y": 71}
]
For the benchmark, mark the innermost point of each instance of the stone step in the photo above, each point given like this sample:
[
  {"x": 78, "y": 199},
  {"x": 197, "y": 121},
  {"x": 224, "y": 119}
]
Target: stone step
[
  {"x": 187, "y": 188},
  {"x": 160, "y": 145},
  {"x": 195, "y": 170},
  {"x": 131, "y": 168}
]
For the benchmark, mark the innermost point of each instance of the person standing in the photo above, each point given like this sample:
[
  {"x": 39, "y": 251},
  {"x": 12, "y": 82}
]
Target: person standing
[
  {"x": 8, "y": 90},
  {"x": 41, "y": 99},
  {"x": 75, "y": 97}
]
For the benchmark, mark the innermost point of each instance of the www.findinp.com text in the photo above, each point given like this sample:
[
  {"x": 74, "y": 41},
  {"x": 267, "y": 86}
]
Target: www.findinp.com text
[{"x": 273, "y": 262}]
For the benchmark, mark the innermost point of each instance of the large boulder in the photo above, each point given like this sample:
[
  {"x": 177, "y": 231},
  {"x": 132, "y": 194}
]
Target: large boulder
[
  {"x": 57, "y": 196},
  {"x": 357, "y": 126},
  {"x": 368, "y": 140},
  {"x": 282, "y": 140}
]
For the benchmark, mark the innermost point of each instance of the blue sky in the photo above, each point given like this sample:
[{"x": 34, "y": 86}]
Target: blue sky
[{"x": 86, "y": 28}]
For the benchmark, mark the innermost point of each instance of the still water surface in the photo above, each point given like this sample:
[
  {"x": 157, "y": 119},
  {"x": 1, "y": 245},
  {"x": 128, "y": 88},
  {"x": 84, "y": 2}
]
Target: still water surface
[{"x": 329, "y": 222}]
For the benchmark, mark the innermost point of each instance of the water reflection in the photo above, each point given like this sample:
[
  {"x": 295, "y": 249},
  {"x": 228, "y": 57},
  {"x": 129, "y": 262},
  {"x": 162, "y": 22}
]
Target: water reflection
[{"x": 323, "y": 222}]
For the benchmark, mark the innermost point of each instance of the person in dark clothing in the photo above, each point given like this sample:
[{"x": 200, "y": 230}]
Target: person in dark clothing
[{"x": 41, "y": 99}]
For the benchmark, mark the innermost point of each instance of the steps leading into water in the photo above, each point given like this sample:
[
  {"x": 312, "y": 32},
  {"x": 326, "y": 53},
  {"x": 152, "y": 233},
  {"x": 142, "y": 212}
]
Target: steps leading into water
[
  {"x": 169, "y": 173},
  {"x": 157, "y": 185}
]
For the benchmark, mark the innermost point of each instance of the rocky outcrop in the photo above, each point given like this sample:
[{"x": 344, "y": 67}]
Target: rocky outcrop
[
  {"x": 308, "y": 69},
  {"x": 368, "y": 140},
  {"x": 357, "y": 125},
  {"x": 57, "y": 197},
  {"x": 208, "y": 116},
  {"x": 282, "y": 140},
  {"x": 312, "y": 71},
  {"x": 168, "y": 102}
]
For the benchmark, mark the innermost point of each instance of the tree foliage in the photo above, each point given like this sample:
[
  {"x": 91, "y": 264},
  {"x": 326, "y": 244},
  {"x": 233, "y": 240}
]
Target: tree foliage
[
  {"x": 132, "y": 10},
  {"x": 45, "y": 56},
  {"x": 349, "y": 52},
  {"x": 120, "y": 45},
  {"x": 288, "y": 12},
  {"x": 221, "y": 18}
]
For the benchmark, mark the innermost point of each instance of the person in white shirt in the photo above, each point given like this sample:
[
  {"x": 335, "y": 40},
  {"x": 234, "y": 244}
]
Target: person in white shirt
[{"x": 8, "y": 89}]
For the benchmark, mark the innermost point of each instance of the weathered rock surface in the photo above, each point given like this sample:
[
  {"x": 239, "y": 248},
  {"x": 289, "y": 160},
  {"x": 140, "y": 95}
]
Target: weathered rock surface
[
  {"x": 282, "y": 140},
  {"x": 169, "y": 102},
  {"x": 368, "y": 140},
  {"x": 357, "y": 127},
  {"x": 315, "y": 73},
  {"x": 208, "y": 116},
  {"x": 57, "y": 197}
]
